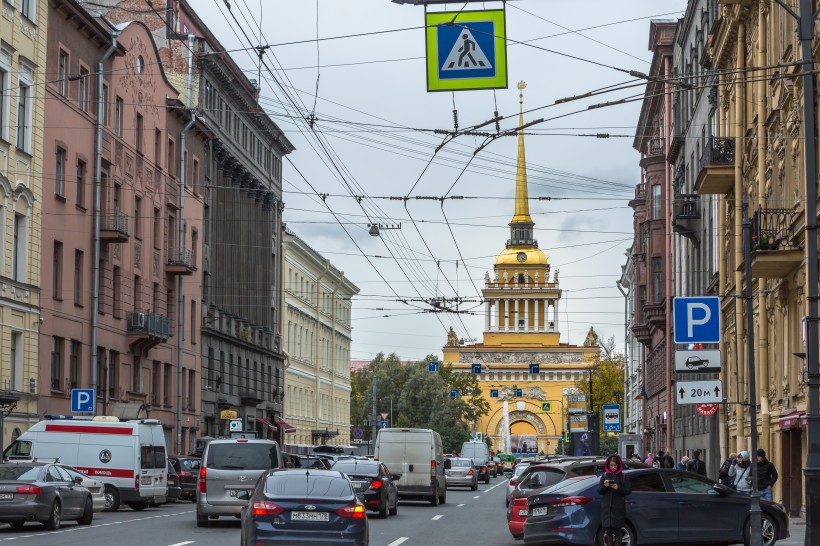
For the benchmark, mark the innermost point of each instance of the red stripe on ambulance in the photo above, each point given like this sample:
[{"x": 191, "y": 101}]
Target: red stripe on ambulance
[
  {"x": 106, "y": 472},
  {"x": 80, "y": 429}
]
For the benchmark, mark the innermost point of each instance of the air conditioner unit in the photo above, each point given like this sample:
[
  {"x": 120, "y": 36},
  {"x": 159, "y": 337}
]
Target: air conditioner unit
[{"x": 140, "y": 320}]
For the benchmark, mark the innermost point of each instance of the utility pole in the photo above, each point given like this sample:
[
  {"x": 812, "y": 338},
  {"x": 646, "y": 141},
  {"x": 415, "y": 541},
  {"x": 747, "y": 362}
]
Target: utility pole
[
  {"x": 754, "y": 510},
  {"x": 373, "y": 421}
]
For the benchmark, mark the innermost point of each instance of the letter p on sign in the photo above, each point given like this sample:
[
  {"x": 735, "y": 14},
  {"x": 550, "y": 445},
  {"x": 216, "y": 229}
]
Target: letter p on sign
[{"x": 697, "y": 319}]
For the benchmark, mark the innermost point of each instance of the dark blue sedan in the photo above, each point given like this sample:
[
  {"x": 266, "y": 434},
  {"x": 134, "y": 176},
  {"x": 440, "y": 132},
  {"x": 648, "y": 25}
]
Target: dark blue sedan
[
  {"x": 305, "y": 506},
  {"x": 666, "y": 507}
]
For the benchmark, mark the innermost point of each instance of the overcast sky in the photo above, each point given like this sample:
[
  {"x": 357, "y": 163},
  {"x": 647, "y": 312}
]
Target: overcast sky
[{"x": 373, "y": 138}]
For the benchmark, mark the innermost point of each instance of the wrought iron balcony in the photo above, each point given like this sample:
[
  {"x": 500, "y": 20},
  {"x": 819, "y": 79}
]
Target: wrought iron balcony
[
  {"x": 147, "y": 329},
  {"x": 656, "y": 146},
  {"x": 717, "y": 167},
  {"x": 522, "y": 242},
  {"x": 775, "y": 249},
  {"x": 114, "y": 226},
  {"x": 180, "y": 262},
  {"x": 686, "y": 215}
]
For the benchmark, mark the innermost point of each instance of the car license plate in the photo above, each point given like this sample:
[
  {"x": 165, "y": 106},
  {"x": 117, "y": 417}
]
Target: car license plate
[
  {"x": 146, "y": 480},
  {"x": 540, "y": 511},
  {"x": 232, "y": 492},
  {"x": 522, "y": 512},
  {"x": 6, "y": 496},
  {"x": 360, "y": 485},
  {"x": 310, "y": 516}
]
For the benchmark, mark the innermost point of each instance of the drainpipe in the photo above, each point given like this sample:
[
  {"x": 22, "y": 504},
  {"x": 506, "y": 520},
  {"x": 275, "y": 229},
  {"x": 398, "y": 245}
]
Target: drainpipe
[
  {"x": 740, "y": 106},
  {"x": 181, "y": 243},
  {"x": 95, "y": 289},
  {"x": 725, "y": 375},
  {"x": 670, "y": 422},
  {"x": 627, "y": 367}
]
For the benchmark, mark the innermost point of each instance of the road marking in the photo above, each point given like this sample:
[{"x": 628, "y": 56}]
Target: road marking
[
  {"x": 97, "y": 526},
  {"x": 402, "y": 540},
  {"x": 438, "y": 517},
  {"x": 459, "y": 505},
  {"x": 183, "y": 543}
]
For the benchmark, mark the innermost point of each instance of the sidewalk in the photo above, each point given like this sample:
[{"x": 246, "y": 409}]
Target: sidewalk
[{"x": 797, "y": 530}]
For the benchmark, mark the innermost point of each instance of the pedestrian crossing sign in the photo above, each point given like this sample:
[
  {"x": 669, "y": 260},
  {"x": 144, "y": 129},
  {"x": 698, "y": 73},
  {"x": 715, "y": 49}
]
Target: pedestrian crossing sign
[{"x": 466, "y": 50}]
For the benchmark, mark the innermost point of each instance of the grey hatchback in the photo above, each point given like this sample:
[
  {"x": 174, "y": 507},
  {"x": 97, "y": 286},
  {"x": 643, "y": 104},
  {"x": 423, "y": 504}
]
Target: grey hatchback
[{"x": 228, "y": 467}]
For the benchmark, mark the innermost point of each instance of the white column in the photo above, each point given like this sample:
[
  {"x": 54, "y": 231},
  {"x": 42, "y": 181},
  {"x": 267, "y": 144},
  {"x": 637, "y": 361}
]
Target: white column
[
  {"x": 489, "y": 305},
  {"x": 526, "y": 304},
  {"x": 502, "y": 315},
  {"x": 537, "y": 324},
  {"x": 517, "y": 314},
  {"x": 555, "y": 313}
]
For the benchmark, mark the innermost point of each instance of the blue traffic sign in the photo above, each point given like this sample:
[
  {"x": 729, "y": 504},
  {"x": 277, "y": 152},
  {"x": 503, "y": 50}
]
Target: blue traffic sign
[
  {"x": 612, "y": 417},
  {"x": 357, "y": 432},
  {"x": 476, "y": 368},
  {"x": 432, "y": 366},
  {"x": 519, "y": 393},
  {"x": 493, "y": 393},
  {"x": 382, "y": 424},
  {"x": 535, "y": 368},
  {"x": 697, "y": 319},
  {"x": 82, "y": 400},
  {"x": 453, "y": 393}
]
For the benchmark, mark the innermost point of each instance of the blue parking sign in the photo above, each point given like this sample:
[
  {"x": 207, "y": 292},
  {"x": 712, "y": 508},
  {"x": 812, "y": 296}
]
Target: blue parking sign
[
  {"x": 697, "y": 319},
  {"x": 82, "y": 400}
]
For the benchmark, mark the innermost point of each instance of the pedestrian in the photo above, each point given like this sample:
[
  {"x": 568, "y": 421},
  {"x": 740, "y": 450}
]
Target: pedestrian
[
  {"x": 649, "y": 459},
  {"x": 696, "y": 465},
  {"x": 614, "y": 487},
  {"x": 741, "y": 473},
  {"x": 636, "y": 457},
  {"x": 667, "y": 461},
  {"x": 723, "y": 473},
  {"x": 656, "y": 461},
  {"x": 766, "y": 475},
  {"x": 681, "y": 465}
]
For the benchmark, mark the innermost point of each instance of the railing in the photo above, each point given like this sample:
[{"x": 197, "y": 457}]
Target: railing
[
  {"x": 184, "y": 258},
  {"x": 718, "y": 151},
  {"x": 656, "y": 146},
  {"x": 147, "y": 323},
  {"x": 771, "y": 229},
  {"x": 532, "y": 242},
  {"x": 115, "y": 220},
  {"x": 686, "y": 207}
]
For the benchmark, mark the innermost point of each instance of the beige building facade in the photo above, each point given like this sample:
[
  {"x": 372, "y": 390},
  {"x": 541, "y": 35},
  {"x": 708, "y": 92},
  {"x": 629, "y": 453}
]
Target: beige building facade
[
  {"x": 22, "y": 77},
  {"x": 316, "y": 325}
]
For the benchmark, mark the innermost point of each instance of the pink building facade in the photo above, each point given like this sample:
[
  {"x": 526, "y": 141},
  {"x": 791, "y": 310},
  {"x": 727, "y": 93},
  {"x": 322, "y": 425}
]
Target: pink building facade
[{"x": 140, "y": 258}]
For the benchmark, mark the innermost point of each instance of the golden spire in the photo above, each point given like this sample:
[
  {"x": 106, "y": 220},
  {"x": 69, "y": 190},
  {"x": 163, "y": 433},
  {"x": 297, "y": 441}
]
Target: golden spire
[{"x": 522, "y": 203}]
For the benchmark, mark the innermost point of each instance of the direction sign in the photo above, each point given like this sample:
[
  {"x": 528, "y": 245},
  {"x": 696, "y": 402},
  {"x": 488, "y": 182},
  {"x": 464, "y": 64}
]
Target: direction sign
[
  {"x": 697, "y": 320},
  {"x": 82, "y": 400},
  {"x": 535, "y": 368},
  {"x": 382, "y": 424},
  {"x": 453, "y": 393},
  {"x": 699, "y": 392},
  {"x": 493, "y": 393},
  {"x": 612, "y": 417},
  {"x": 476, "y": 368},
  {"x": 706, "y": 409},
  {"x": 432, "y": 366},
  {"x": 700, "y": 361},
  {"x": 466, "y": 50}
]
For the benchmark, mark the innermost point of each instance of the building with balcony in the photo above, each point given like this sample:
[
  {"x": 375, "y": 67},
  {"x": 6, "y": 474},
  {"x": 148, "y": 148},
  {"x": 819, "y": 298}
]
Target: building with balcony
[
  {"x": 317, "y": 334},
  {"x": 23, "y": 27},
  {"x": 124, "y": 338},
  {"x": 652, "y": 269},
  {"x": 633, "y": 383}
]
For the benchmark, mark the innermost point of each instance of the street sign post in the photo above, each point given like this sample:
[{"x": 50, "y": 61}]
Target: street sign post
[
  {"x": 698, "y": 361},
  {"x": 466, "y": 50},
  {"x": 612, "y": 417},
  {"x": 697, "y": 319},
  {"x": 699, "y": 392},
  {"x": 82, "y": 400}
]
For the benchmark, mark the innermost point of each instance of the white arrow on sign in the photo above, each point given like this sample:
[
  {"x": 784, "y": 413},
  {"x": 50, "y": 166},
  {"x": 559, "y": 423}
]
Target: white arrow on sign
[{"x": 699, "y": 392}]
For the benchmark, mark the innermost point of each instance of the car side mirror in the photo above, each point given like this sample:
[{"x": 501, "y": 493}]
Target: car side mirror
[
  {"x": 722, "y": 489},
  {"x": 78, "y": 480},
  {"x": 395, "y": 477},
  {"x": 448, "y": 464},
  {"x": 243, "y": 495}
]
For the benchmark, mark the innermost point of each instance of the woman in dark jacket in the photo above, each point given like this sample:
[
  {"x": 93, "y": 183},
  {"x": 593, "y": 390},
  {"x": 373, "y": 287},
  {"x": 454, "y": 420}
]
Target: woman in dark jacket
[{"x": 614, "y": 487}]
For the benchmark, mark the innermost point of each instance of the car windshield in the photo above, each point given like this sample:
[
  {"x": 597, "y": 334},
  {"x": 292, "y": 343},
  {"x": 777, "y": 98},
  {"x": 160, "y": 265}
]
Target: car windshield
[
  {"x": 243, "y": 456},
  {"x": 19, "y": 472},
  {"x": 74, "y": 473},
  {"x": 360, "y": 468},
  {"x": 308, "y": 485},
  {"x": 568, "y": 487},
  {"x": 460, "y": 463},
  {"x": 190, "y": 464}
]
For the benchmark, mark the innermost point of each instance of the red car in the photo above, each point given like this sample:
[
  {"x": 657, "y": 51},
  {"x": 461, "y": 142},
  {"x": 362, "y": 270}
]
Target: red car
[{"x": 187, "y": 468}]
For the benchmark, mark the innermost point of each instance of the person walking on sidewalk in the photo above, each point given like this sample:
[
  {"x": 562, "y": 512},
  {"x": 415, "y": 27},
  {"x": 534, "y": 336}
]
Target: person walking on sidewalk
[
  {"x": 741, "y": 473},
  {"x": 696, "y": 465},
  {"x": 614, "y": 487},
  {"x": 682, "y": 463},
  {"x": 723, "y": 473},
  {"x": 766, "y": 475}
]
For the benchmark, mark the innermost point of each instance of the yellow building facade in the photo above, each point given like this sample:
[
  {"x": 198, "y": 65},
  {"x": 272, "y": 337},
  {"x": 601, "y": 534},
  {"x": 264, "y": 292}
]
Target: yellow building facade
[
  {"x": 22, "y": 77},
  {"x": 521, "y": 328}
]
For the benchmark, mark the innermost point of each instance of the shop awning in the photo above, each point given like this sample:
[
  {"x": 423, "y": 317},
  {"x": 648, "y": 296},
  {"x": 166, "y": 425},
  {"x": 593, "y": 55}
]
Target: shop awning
[
  {"x": 285, "y": 427},
  {"x": 267, "y": 423},
  {"x": 792, "y": 420}
]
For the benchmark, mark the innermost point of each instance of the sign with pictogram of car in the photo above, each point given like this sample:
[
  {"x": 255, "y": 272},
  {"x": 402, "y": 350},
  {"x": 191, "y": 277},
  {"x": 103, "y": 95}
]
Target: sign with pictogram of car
[{"x": 699, "y": 361}]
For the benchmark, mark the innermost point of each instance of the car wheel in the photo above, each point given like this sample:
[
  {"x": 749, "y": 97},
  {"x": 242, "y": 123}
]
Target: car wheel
[
  {"x": 383, "y": 506},
  {"x": 395, "y": 510},
  {"x": 473, "y": 487},
  {"x": 88, "y": 513},
  {"x": 768, "y": 533},
  {"x": 201, "y": 521},
  {"x": 53, "y": 521},
  {"x": 487, "y": 479},
  {"x": 627, "y": 536},
  {"x": 444, "y": 497},
  {"x": 112, "y": 499},
  {"x": 434, "y": 499},
  {"x": 138, "y": 506}
]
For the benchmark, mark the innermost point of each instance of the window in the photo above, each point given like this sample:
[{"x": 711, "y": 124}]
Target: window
[
  {"x": 137, "y": 294},
  {"x": 649, "y": 483},
  {"x": 191, "y": 388},
  {"x": 657, "y": 280},
  {"x": 157, "y": 227},
  {"x": 157, "y": 145},
  {"x": 56, "y": 362},
  {"x": 187, "y": 169},
  {"x": 117, "y": 295},
  {"x": 59, "y": 174},
  {"x": 656, "y": 202},
  {"x": 140, "y": 64},
  {"x": 81, "y": 170},
  {"x": 5, "y": 83},
  {"x": 171, "y": 159},
  {"x": 167, "y": 390},
  {"x": 138, "y": 133},
  {"x": 194, "y": 245},
  {"x": 19, "y": 248},
  {"x": 23, "y": 117},
  {"x": 57, "y": 273},
  {"x": 689, "y": 484},
  {"x": 16, "y": 357},
  {"x": 74, "y": 363},
  {"x": 78, "y": 277},
  {"x": 105, "y": 105},
  {"x": 82, "y": 95},
  {"x": 118, "y": 107},
  {"x": 27, "y": 8},
  {"x": 136, "y": 375},
  {"x": 61, "y": 68},
  {"x": 114, "y": 375},
  {"x": 138, "y": 217},
  {"x": 194, "y": 322},
  {"x": 155, "y": 382}
]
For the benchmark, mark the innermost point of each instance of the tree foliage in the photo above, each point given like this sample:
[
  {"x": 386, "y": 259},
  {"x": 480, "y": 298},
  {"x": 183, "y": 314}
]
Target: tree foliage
[{"x": 607, "y": 382}]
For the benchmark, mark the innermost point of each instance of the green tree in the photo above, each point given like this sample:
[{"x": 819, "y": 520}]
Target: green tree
[{"x": 607, "y": 383}]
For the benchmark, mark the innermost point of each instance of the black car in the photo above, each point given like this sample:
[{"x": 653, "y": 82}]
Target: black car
[
  {"x": 174, "y": 490},
  {"x": 187, "y": 468},
  {"x": 304, "y": 506},
  {"x": 373, "y": 483},
  {"x": 665, "y": 507},
  {"x": 44, "y": 493}
]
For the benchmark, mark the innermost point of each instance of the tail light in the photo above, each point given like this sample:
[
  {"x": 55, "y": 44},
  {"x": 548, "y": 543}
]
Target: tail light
[
  {"x": 570, "y": 501},
  {"x": 433, "y": 469},
  {"x": 202, "y": 486},
  {"x": 470, "y": 472},
  {"x": 261, "y": 508},
  {"x": 355, "y": 511},
  {"x": 513, "y": 481},
  {"x": 28, "y": 489},
  {"x": 184, "y": 474},
  {"x": 484, "y": 469},
  {"x": 137, "y": 482},
  {"x": 376, "y": 484},
  {"x": 519, "y": 507}
]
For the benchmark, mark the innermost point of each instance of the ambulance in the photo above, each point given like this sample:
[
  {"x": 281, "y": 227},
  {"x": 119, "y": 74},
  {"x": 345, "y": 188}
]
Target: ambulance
[{"x": 129, "y": 457}]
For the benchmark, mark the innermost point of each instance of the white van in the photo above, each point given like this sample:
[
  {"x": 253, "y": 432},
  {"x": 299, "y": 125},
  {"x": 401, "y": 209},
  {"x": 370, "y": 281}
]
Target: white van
[
  {"x": 129, "y": 457},
  {"x": 417, "y": 455}
]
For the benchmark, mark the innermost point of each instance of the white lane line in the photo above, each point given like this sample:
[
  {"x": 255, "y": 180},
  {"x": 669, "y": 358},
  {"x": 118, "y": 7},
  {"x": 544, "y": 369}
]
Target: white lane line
[
  {"x": 438, "y": 517},
  {"x": 98, "y": 525},
  {"x": 183, "y": 543},
  {"x": 402, "y": 540},
  {"x": 477, "y": 497},
  {"x": 459, "y": 505}
]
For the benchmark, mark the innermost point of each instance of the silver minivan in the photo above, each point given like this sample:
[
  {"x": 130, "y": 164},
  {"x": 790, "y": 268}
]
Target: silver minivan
[{"x": 228, "y": 467}]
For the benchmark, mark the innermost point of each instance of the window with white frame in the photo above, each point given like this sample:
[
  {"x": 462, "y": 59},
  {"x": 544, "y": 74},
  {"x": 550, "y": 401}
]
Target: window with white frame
[
  {"x": 82, "y": 95},
  {"x": 118, "y": 107},
  {"x": 24, "y": 107},
  {"x": 5, "y": 84},
  {"x": 28, "y": 8},
  {"x": 20, "y": 238},
  {"x": 61, "y": 71},
  {"x": 59, "y": 174}
]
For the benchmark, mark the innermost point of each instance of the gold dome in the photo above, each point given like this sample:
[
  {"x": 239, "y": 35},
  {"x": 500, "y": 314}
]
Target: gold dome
[{"x": 509, "y": 256}]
